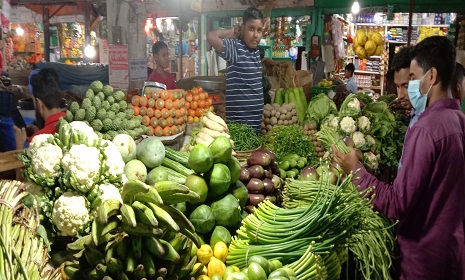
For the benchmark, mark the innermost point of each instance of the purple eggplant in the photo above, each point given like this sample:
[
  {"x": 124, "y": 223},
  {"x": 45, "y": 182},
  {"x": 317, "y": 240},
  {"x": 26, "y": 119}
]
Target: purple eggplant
[
  {"x": 277, "y": 182},
  {"x": 274, "y": 167},
  {"x": 263, "y": 150},
  {"x": 271, "y": 198},
  {"x": 259, "y": 158},
  {"x": 255, "y": 186},
  {"x": 257, "y": 171},
  {"x": 268, "y": 173},
  {"x": 244, "y": 177},
  {"x": 255, "y": 199},
  {"x": 309, "y": 173},
  {"x": 268, "y": 185},
  {"x": 249, "y": 209}
]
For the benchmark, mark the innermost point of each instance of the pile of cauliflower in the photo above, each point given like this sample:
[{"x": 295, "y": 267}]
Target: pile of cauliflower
[
  {"x": 74, "y": 168},
  {"x": 350, "y": 122}
]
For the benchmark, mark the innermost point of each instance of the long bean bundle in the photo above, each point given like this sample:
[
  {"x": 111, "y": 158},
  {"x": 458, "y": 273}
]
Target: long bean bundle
[
  {"x": 329, "y": 137},
  {"x": 337, "y": 218},
  {"x": 23, "y": 254}
]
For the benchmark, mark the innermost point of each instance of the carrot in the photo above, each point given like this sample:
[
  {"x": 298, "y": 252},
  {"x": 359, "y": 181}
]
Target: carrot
[
  {"x": 177, "y": 103},
  {"x": 150, "y": 131},
  {"x": 136, "y": 110},
  {"x": 143, "y": 111},
  {"x": 151, "y": 103},
  {"x": 146, "y": 120},
  {"x": 158, "y": 131},
  {"x": 162, "y": 123},
  {"x": 183, "y": 111},
  {"x": 169, "y": 121},
  {"x": 165, "y": 113},
  {"x": 143, "y": 101},
  {"x": 160, "y": 104},
  {"x": 164, "y": 94},
  {"x": 157, "y": 113},
  {"x": 179, "y": 121},
  {"x": 174, "y": 130},
  {"x": 135, "y": 100},
  {"x": 178, "y": 113},
  {"x": 154, "y": 121},
  {"x": 168, "y": 103},
  {"x": 171, "y": 94},
  {"x": 173, "y": 112},
  {"x": 150, "y": 112},
  {"x": 167, "y": 131}
]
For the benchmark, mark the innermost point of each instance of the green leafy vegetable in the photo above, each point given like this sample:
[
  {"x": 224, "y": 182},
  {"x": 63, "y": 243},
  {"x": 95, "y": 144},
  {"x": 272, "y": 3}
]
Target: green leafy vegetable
[
  {"x": 244, "y": 136},
  {"x": 321, "y": 106}
]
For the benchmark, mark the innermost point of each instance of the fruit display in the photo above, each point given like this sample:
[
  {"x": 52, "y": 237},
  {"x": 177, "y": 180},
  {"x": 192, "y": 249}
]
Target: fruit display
[
  {"x": 325, "y": 83},
  {"x": 261, "y": 177},
  {"x": 163, "y": 112},
  {"x": 366, "y": 45},
  {"x": 197, "y": 103},
  {"x": 142, "y": 237},
  {"x": 107, "y": 112}
]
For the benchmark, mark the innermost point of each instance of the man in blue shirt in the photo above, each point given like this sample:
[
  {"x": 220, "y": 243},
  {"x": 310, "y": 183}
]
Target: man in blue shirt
[
  {"x": 349, "y": 75},
  {"x": 239, "y": 47}
]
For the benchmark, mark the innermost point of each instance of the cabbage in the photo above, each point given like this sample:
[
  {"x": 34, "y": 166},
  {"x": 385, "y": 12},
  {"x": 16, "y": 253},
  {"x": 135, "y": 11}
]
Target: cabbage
[{"x": 321, "y": 106}]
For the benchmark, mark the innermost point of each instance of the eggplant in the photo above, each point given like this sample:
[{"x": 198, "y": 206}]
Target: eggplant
[
  {"x": 259, "y": 158},
  {"x": 257, "y": 171},
  {"x": 269, "y": 152},
  {"x": 329, "y": 176},
  {"x": 309, "y": 173},
  {"x": 249, "y": 209},
  {"x": 276, "y": 182},
  {"x": 244, "y": 177},
  {"x": 274, "y": 166},
  {"x": 268, "y": 185},
  {"x": 271, "y": 198},
  {"x": 255, "y": 186},
  {"x": 268, "y": 173},
  {"x": 255, "y": 199}
]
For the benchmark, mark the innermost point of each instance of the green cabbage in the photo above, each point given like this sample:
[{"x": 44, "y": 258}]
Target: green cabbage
[{"x": 321, "y": 106}]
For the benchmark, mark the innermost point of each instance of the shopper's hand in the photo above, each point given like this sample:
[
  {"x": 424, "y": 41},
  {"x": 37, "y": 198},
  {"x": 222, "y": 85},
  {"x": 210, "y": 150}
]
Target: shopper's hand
[
  {"x": 20, "y": 136},
  {"x": 31, "y": 129},
  {"x": 237, "y": 31},
  {"x": 346, "y": 161}
]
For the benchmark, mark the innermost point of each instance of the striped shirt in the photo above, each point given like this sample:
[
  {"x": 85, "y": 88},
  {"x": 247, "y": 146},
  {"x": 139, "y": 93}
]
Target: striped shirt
[{"x": 244, "y": 91}]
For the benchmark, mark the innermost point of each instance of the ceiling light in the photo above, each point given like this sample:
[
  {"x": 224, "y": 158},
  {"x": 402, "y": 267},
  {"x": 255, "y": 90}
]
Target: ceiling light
[
  {"x": 19, "y": 31},
  {"x": 89, "y": 51},
  {"x": 355, "y": 7}
]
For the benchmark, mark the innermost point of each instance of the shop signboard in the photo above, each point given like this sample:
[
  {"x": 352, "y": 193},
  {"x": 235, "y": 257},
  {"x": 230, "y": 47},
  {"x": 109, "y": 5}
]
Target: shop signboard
[
  {"x": 138, "y": 69},
  {"x": 235, "y": 5},
  {"x": 118, "y": 57}
]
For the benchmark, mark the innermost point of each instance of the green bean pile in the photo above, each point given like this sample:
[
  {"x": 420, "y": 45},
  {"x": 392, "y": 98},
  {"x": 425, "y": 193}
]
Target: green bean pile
[
  {"x": 338, "y": 218},
  {"x": 244, "y": 136}
]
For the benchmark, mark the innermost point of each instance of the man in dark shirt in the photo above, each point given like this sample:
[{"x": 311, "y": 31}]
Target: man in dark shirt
[{"x": 428, "y": 195}]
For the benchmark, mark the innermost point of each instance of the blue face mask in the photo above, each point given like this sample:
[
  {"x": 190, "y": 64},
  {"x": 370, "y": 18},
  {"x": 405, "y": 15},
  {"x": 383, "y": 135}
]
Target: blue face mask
[{"x": 418, "y": 99}]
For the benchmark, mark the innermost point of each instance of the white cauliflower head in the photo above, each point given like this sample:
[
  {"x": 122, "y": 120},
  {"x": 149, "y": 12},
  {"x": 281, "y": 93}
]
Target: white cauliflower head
[
  {"x": 347, "y": 125},
  {"x": 84, "y": 132},
  {"x": 46, "y": 160},
  {"x": 70, "y": 214},
  {"x": 334, "y": 122},
  {"x": 364, "y": 124},
  {"x": 36, "y": 142},
  {"x": 109, "y": 191},
  {"x": 114, "y": 162},
  {"x": 83, "y": 163},
  {"x": 359, "y": 139},
  {"x": 371, "y": 160},
  {"x": 354, "y": 104},
  {"x": 371, "y": 142}
]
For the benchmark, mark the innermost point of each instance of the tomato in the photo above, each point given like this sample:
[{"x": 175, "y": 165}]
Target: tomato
[
  {"x": 199, "y": 112},
  {"x": 188, "y": 96},
  {"x": 202, "y": 104},
  {"x": 192, "y": 112},
  {"x": 194, "y": 105}
]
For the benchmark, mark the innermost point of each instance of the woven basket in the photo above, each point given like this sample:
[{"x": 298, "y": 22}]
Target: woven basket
[{"x": 242, "y": 156}]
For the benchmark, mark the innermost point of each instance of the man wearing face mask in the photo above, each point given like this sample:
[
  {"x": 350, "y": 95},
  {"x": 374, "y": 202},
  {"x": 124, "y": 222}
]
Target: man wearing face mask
[
  {"x": 47, "y": 99},
  {"x": 428, "y": 195}
]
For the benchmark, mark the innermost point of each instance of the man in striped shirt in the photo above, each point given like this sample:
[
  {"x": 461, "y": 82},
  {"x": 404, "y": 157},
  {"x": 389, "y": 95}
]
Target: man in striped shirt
[{"x": 239, "y": 47}]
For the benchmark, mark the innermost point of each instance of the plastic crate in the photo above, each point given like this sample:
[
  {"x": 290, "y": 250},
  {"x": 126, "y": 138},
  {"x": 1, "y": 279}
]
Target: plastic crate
[{"x": 6, "y": 103}]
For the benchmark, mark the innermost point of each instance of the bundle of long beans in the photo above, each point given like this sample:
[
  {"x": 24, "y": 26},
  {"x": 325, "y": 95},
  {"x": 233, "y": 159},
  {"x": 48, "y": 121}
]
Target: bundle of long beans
[
  {"x": 338, "y": 218},
  {"x": 329, "y": 136},
  {"x": 23, "y": 254},
  {"x": 300, "y": 194}
]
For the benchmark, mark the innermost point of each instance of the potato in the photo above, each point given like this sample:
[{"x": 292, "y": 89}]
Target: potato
[
  {"x": 273, "y": 112},
  {"x": 269, "y": 127},
  {"x": 263, "y": 125},
  {"x": 294, "y": 111},
  {"x": 295, "y": 119},
  {"x": 286, "y": 122},
  {"x": 266, "y": 121},
  {"x": 268, "y": 107},
  {"x": 276, "y": 106},
  {"x": 266, "y": 113},
  {"x": 273, "y": 120},
  {"x": 282, "y": 117},
  {"x": 282, "y": 110},
  {"x": 264, "y": 131},
  {"x": 289, "y": 116},
  {"x": 280, "y": 122},
  {"x": 278, "y": 114}
]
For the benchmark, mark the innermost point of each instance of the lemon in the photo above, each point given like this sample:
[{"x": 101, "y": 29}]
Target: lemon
[
  {"x": 377, "y": 38},
  {"x": 379, "y": 50},
  {"x": 237, "y": 269},
  {"x": 216, "y": 267},
  {"x": 203, "y": 277},
  {"x": 220, "y": 251},
  {"x": 204, "y": 253},
  {"x": 370, "y": 47}
]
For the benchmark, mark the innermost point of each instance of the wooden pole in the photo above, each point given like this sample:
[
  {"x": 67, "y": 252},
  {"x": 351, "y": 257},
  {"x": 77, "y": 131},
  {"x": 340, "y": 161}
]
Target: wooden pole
[{"x": 46, "y": 22}]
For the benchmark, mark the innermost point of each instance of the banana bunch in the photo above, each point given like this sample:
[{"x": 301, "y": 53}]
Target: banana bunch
[
  {"x": 143, "y": 237},
  {"x": 213, "y": 126}
]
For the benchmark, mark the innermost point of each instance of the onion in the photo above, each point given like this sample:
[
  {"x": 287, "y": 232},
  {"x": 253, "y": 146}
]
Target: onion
[{"x": 349, "y": 142}]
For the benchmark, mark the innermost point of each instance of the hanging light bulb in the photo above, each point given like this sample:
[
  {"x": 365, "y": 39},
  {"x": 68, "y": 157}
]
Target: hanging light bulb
[
  {"x": 19, "y": 31},
  {"x": 148, "y": 25},
  {"x": 355, "y": 7},
  {"x": 89, "y": 51}
]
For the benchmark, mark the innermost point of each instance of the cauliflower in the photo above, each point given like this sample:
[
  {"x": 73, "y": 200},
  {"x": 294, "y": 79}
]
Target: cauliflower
[
  {"x": 109, "y": 191},
  {"x": 81, "y": 166},
  {"x": 38, "y": 141},
  {"x": 347, "y": 125},
  {"x": 354, "y": 104},
  {"x": 70, "y": 214},
  {"x": 364, "y": 124},
  {"x": 83, "y": 132},
  {"x": 359, "y": 139},
  {"x": 334, "y": 122},
  {"x": 43, "y": 167},
  {"x": 371, "y": 142},
  {"x": 371, "y": 160},
  {"x": 114, "y": 163}
]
